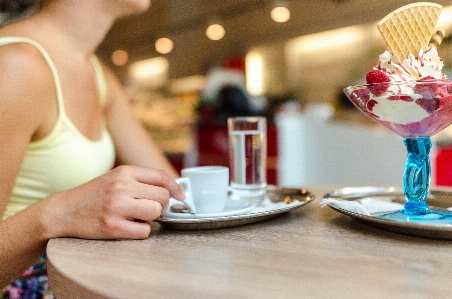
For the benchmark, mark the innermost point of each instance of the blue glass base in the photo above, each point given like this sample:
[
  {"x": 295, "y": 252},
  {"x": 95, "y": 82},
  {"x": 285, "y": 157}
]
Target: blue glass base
[
  {"x": 416, "y": 208},
  {"x": 416, "y": 177},
  {"x": 434, "y": 217}
]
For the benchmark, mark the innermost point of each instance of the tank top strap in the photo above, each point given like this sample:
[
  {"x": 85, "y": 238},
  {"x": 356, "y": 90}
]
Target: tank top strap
[
  {"x": 101, "y": 82},
  {"x": 45, "y": 55}
]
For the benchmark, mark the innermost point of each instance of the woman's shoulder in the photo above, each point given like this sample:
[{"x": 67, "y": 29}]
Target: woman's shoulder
[
  {"x": 19, "y": 54},
  {"x": 23, "y": 62},
  {"x": 25, "y": 73}
]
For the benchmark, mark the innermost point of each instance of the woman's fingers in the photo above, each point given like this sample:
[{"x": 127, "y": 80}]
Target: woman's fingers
[
  {"x": 120, "y": 228},
  {"x": 153, "y": 185},
  {"x": 141, "y": 209},
  {"x": 110, "y": 205},
  {"x": 144, "y": 191},
  {"x": 135, "y": 230},
  {"x": 157, "y": 177}
]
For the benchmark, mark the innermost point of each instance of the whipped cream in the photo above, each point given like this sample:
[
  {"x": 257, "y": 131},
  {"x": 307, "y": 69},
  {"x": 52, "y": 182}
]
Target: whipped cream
[{"x": 426, "y": 64}]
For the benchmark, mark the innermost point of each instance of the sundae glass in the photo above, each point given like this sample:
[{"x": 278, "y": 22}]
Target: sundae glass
[
  {"x": 408, "y": 94},
  {"x": 415, "y": 110}
]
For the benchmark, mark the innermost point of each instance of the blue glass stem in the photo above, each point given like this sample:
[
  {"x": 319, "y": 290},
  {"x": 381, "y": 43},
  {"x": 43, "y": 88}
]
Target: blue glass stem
[{"x": 416, "y": 178}]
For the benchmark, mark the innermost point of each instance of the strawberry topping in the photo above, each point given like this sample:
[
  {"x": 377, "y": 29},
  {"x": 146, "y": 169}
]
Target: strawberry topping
[
  {"x": 429, "y": 105},
  {"x": 360, "y": 97},
  {"x": 427, "y": 90},
  {"x": 370, "y": 105},
  {"x": 397, "y": 97}
]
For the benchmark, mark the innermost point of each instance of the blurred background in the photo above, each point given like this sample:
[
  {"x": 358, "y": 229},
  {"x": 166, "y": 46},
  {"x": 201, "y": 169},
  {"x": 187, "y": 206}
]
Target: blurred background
[{"x": 188, "y": 65}]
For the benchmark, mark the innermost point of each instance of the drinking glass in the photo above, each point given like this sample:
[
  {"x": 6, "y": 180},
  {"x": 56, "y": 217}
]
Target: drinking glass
[{"x": 248, "y": 152}]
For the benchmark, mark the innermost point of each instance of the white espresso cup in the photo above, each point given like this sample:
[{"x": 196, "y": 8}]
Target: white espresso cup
[{"x": 206, "y": 188}]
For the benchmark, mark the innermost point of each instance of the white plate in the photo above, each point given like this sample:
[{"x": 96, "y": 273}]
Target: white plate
[
  {"x": 233, "y": 207},
  {"x": 275, "y": 202},
  {"x": 438, "y": 199}
]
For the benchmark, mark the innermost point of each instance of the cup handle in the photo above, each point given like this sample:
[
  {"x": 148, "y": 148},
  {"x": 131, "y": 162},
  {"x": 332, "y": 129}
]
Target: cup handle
[{"x": 188, "y": 202}]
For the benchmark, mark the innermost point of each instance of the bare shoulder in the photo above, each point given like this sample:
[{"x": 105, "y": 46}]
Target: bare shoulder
[
  {"x": 26, "y": 88},
  {"x": 23, "y": 59},
  {"x": 24, "y": 75}
]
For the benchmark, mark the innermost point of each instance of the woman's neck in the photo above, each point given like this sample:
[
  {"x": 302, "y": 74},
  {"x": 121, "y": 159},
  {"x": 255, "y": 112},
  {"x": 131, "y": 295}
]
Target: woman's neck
[{"x": 80, "y": 27}]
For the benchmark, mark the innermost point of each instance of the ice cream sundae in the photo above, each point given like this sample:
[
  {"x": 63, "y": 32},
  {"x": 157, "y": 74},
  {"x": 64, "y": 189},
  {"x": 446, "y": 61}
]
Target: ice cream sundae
[{"x": 407, "y": 92}]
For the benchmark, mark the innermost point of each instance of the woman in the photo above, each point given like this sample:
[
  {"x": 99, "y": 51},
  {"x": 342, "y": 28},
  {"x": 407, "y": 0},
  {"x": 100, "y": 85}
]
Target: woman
[{"x": 63, "y": 116}]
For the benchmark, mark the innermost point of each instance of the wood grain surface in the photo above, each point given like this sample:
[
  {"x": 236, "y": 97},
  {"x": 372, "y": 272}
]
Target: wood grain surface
[{"x": 310, "y": 252}]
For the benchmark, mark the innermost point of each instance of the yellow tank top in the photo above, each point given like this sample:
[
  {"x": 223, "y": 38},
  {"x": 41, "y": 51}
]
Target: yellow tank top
[{"x": 65, "y": 158}]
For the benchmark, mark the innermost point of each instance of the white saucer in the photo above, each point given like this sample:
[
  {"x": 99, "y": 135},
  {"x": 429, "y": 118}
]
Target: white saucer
[
  {"x": 267, "y": 207},
  {"x": 233, "y": 207}
]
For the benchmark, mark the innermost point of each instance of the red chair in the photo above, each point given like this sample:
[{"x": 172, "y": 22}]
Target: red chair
[
  {"x": 212, "y": 146},
  {"x": 443, "y": 166}
]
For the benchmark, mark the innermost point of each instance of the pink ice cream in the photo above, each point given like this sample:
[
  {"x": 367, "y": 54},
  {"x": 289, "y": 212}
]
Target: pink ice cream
[{"x": 412, "y": 98}]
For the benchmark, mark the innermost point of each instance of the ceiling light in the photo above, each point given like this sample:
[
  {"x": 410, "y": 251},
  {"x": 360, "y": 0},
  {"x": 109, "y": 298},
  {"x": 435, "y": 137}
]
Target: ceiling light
[
  {"x": 254, "y": 72},
  {"x": 280, "y": 12},
  {"x": 335, "y": 38},
  {"x": 152, "y": 72},
  {"x": 215, "y": 31},
  {"x": 164, "y": 45},
  {"x": 119, "y": 57}
]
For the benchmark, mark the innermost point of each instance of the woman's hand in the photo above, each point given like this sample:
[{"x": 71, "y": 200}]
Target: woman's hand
[{"x": 115, "y": 205}]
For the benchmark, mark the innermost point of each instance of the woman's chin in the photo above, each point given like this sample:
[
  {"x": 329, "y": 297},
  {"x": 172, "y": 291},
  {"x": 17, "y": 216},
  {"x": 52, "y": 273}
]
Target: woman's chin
[{"x": 137, "y": 6}]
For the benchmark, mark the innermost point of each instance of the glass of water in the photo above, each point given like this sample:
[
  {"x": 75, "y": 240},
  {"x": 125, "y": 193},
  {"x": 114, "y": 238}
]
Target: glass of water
[{"x": 248, "y": 152}]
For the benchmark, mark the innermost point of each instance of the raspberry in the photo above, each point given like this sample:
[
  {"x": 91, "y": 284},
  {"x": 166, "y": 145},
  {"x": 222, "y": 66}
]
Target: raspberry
[{"x": 376, "y": 80}]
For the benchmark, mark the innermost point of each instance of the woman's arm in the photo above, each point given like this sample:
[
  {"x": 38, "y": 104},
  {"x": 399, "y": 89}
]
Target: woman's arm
[
  {"x": 106, "y": 207},
  {"x": 133, "y": 143},
  {"x": 116, "y": 205},
  {"x": 21, "y": 114}
]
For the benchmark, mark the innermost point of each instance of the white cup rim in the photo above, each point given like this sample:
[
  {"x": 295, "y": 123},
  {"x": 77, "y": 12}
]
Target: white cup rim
[
  {"x": 198, "y": 169},
  {"x": 248, "y": 118}
]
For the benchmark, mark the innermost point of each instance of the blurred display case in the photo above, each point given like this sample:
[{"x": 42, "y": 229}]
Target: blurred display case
[{"x": 169, "y": 121}]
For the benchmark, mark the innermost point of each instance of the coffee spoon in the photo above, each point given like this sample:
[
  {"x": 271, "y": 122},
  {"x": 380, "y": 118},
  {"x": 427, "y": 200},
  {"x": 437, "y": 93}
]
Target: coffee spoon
[
  {"x": 288, "y": 195},
  {"x": 179, "y": 208}
]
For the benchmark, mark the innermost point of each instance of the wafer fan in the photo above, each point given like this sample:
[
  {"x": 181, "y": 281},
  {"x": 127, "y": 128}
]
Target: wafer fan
[{"x": 409, "y": 28}]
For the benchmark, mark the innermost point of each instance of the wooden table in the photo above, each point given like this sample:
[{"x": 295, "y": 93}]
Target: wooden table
[{"x": 308, "y": 253}]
